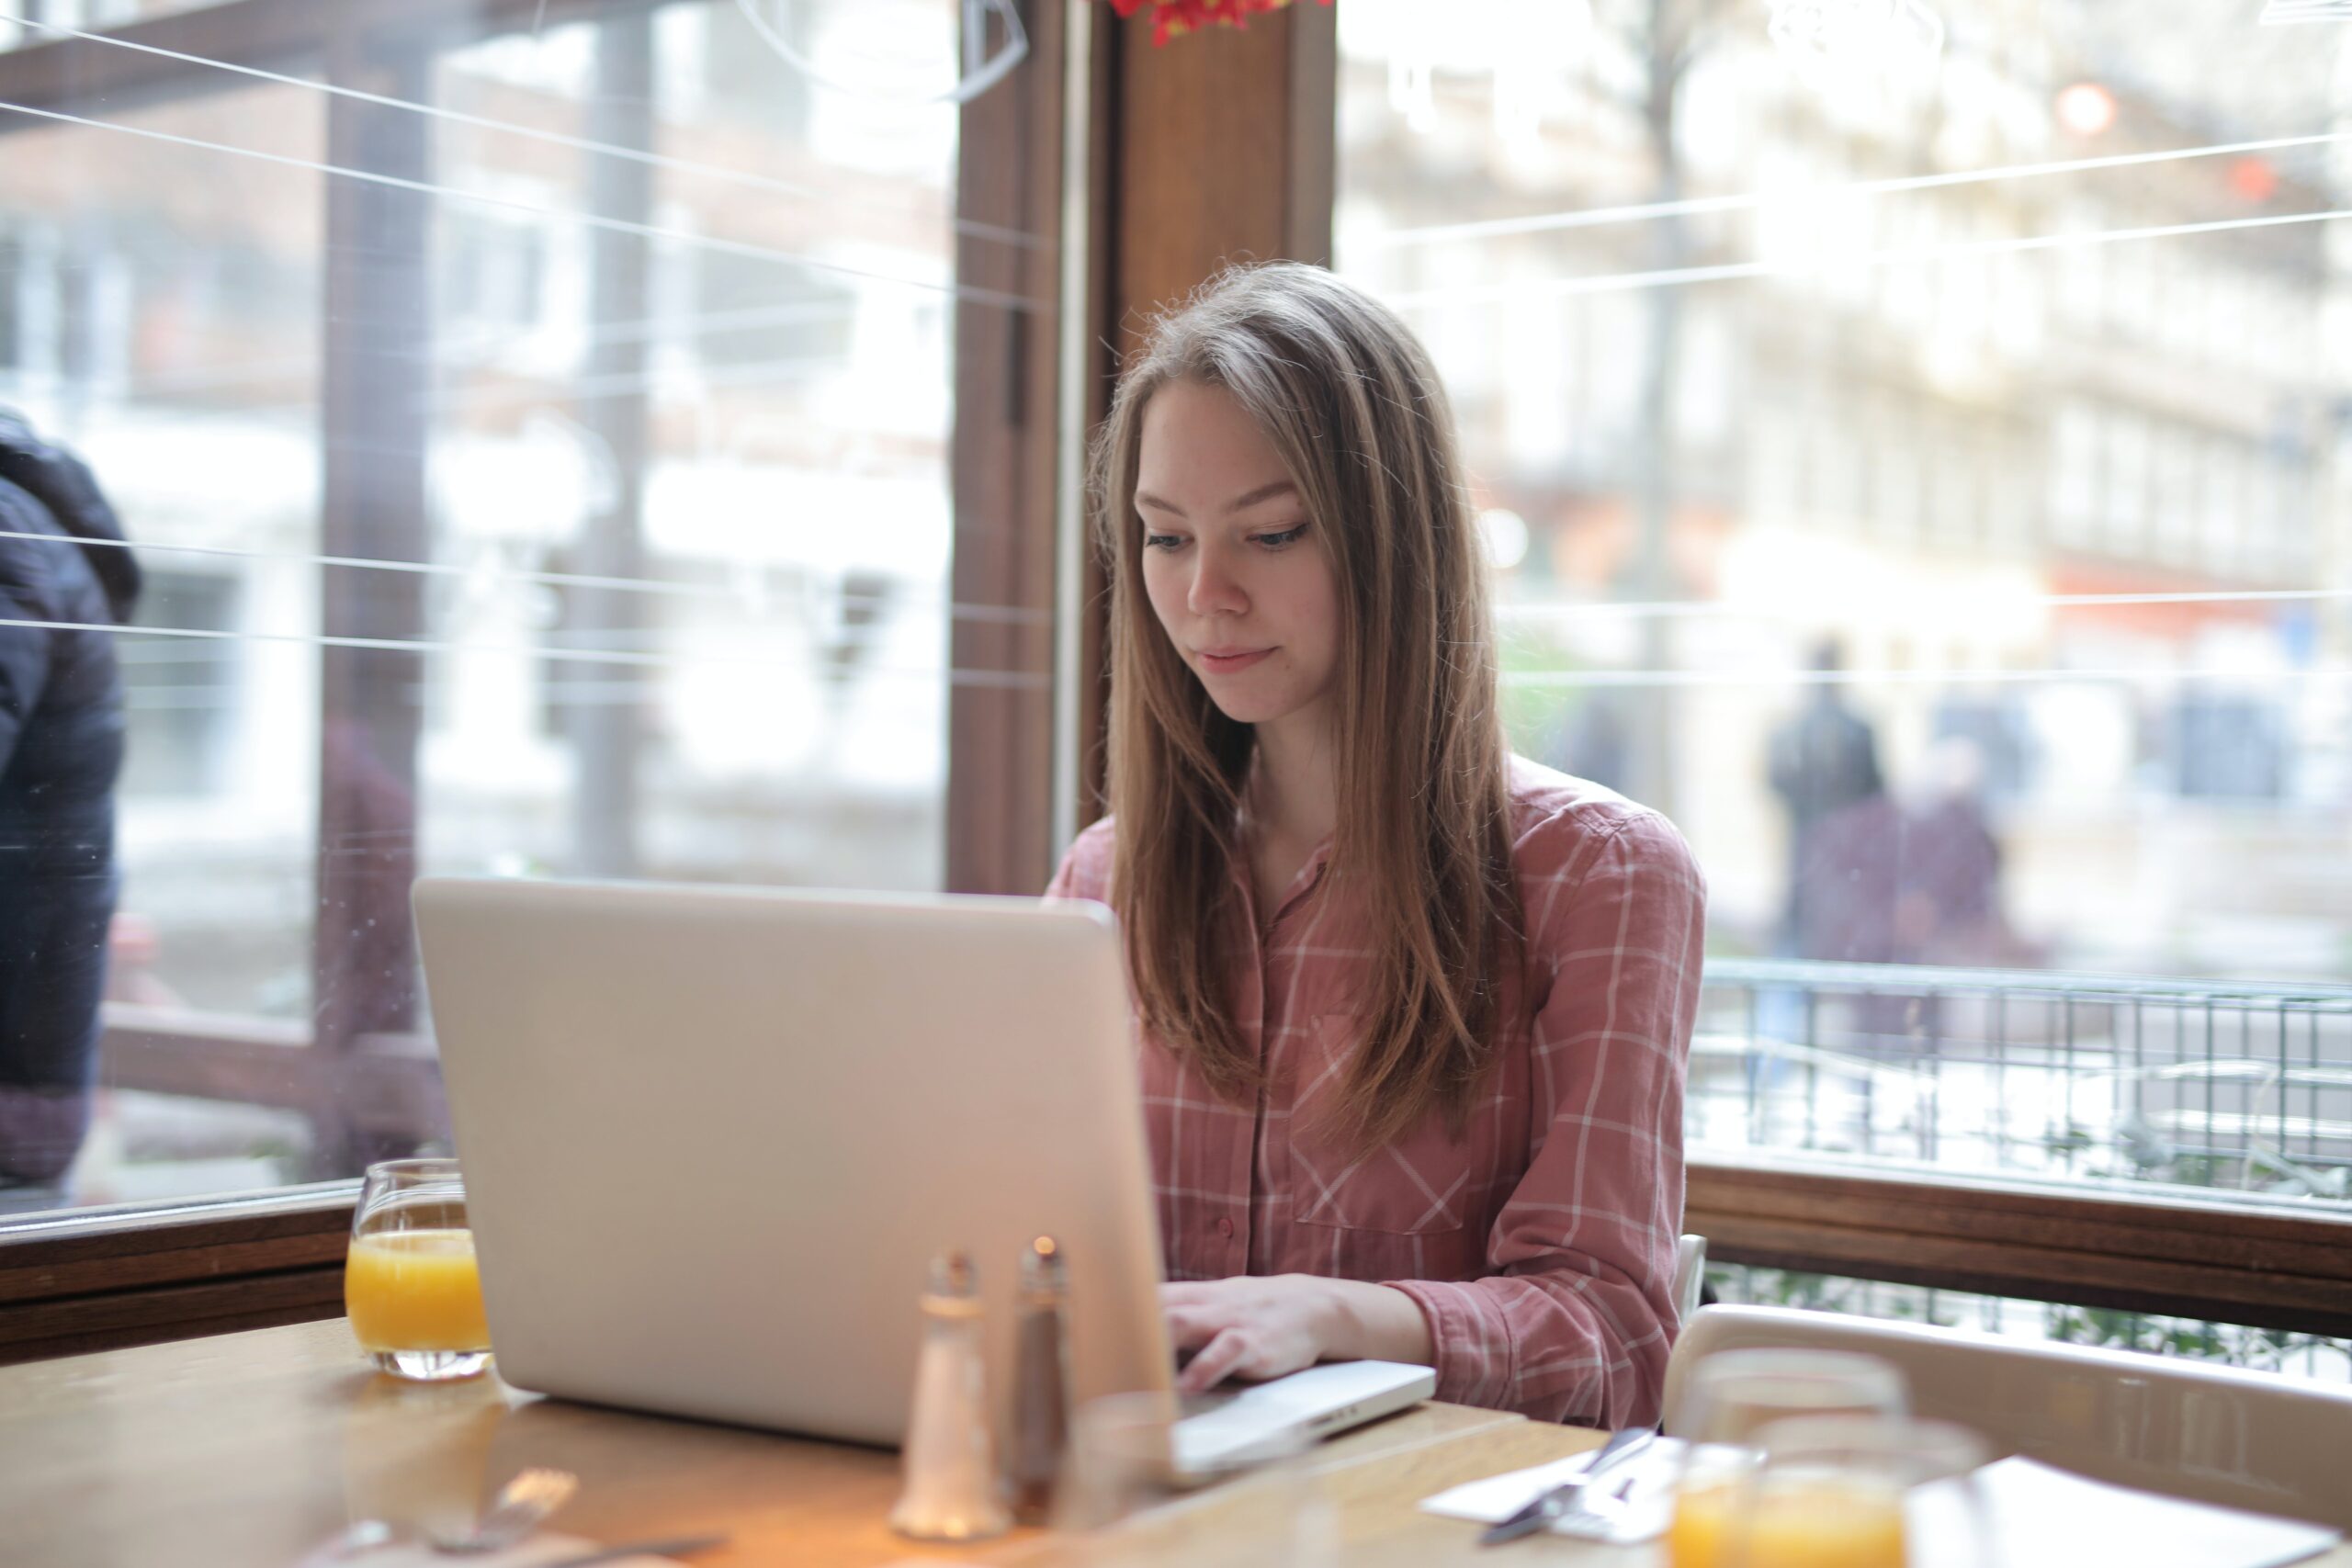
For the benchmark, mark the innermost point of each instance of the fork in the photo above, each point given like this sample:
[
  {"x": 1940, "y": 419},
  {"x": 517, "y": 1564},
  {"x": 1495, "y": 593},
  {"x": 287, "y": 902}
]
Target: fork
[
  {"x": 521, "y": 1503},
  {"x": 1591, "y": 1517},
  {"x": 1561, "y": 1501}
]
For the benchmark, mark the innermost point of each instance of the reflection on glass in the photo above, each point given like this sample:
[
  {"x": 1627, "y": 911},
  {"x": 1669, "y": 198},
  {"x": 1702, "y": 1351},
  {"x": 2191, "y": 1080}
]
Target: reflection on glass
[{"x": 418, "y": 1455}]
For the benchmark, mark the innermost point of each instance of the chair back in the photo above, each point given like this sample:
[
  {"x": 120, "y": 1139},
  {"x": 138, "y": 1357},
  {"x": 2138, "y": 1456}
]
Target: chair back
[
  {"x": 2264, "y": 1441},
  {"x": 1689, "y": 1274}
]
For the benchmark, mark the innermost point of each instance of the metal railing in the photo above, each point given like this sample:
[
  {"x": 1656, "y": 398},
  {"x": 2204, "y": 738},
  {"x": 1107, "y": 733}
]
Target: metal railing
[
  {"x": 2240, "y": 1087},
  {"x": 2019, "y": 1073}
]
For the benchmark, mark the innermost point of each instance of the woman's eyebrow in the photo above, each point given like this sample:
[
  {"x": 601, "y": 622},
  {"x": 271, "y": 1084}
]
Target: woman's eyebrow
[
  {"x": 1240, "y": 503},
  {"x": 1263, "y": 492}
]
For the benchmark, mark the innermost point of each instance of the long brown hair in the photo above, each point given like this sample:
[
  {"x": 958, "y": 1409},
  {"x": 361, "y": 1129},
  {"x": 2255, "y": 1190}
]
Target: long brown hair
[{"x": 1350, "y": 400}]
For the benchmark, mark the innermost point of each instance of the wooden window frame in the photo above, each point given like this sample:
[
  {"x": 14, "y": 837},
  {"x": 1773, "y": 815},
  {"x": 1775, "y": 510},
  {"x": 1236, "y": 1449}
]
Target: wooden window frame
[
  {"x": 2279, "y": 1265},
  {"x": 103, "y": 1279}
]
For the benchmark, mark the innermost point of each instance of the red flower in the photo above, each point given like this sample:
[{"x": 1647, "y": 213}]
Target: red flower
[{"x": 1173, "y": 19}]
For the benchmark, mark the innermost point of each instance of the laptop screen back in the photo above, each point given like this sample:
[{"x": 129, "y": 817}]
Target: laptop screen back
[{"x": 712, "y": 1137}]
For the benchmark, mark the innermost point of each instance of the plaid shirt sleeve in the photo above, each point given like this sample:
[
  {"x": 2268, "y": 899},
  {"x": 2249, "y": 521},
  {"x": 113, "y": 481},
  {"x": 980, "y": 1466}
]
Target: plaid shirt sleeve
[
  {"x": 1576, "y": 1319},
  {"x": 1085, "y": 870}
]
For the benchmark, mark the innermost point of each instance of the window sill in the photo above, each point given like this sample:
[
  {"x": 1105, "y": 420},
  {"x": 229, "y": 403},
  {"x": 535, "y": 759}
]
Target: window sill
[
  {"x": 103, "y": 1279},
  {"x": 2276, "y": 1264}
]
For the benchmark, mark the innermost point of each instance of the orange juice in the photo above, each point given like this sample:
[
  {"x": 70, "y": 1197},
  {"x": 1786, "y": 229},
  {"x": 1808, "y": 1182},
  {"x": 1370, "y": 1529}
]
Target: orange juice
[
  {"x": 415, "y": 1290},
  {"x": 1815, "y": 1523}
]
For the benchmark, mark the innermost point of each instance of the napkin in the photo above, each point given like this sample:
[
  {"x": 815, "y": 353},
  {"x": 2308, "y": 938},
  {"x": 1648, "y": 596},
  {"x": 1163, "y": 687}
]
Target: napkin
[
  {"x": 1648, "y": 1505},
  {"x": 2037, "y": 1516},
  {"x": 2044, "y": 1515}
]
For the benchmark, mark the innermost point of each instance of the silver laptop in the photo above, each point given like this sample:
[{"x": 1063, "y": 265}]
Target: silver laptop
[{"x": 713, "y": 1137}]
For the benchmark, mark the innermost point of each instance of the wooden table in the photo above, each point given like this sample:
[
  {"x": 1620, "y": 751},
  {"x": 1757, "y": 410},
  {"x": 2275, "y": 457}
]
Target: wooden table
[
  {"x": 246, "y": 1450},
  {"x": 243, "y": 1450}
]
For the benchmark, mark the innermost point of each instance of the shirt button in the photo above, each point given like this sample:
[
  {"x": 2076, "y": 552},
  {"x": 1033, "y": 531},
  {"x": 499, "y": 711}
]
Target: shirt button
[{"x": 1225, "y": 1226}]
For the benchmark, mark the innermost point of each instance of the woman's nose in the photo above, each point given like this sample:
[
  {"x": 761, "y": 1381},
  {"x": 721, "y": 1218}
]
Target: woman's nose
[{"x": 1215, "y": 590}]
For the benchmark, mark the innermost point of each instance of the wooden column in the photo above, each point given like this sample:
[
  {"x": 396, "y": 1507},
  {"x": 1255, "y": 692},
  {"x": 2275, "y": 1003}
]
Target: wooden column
[
  {"x": 1218, "y": 149},
  {"x": 374, "y": 386},
  {"x": 1225, "y": 154},
  {"x": 999, "y": 718},
  {"x": 604, "y": 714}
]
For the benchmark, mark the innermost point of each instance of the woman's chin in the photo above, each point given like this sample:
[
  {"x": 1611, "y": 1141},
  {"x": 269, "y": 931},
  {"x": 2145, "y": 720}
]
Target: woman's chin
[{"x": 1241, "y": 709}]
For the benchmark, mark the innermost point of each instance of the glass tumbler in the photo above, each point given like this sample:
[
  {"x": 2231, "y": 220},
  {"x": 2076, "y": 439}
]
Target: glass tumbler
[
  {"x": 1860, "y": 1492},
  {"x": 1734, "y": 1397},
  {"x": 410, "y": 1283},
  {"x": 1119, "y": 1506}
]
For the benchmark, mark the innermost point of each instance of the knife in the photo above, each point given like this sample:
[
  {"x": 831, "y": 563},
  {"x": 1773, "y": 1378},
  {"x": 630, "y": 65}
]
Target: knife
[
  {"x": 678, "y": 1547},
  {"x": 1551, "y": 1503}
]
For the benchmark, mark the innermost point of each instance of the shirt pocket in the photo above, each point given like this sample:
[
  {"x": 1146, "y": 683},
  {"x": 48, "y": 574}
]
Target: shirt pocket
[{"x": 1425, "y": 1183}]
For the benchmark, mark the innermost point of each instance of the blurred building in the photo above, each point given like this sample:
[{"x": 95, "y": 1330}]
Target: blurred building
[{"x": 1910, "y": 415}]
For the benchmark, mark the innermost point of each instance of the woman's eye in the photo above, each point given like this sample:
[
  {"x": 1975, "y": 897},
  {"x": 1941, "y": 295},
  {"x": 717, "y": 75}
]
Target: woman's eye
[
  {"x": 1287, "y": 536},
  {"x": 1163, "y": 541}
]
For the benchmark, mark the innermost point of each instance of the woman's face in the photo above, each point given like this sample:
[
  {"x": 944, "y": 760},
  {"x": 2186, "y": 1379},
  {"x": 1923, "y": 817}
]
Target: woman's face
[{"x": 1234, "y": 570}]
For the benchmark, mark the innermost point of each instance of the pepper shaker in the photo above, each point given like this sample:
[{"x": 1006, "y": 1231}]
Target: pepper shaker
[{"x": 1041, "y": 1382}]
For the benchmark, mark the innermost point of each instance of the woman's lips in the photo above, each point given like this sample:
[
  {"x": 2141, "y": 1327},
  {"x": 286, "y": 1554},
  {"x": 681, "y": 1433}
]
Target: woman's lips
[{"x": 1227, "y": 663}]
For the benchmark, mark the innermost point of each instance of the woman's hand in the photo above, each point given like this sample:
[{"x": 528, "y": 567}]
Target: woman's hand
[{"x": 1257, "y": 1328}]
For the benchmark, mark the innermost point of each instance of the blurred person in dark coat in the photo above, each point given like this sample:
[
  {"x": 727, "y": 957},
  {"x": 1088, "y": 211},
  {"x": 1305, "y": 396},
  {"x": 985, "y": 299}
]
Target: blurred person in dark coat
[
  {"x": 1824, "y": 764},
  {"x": 65, "y": 582}
]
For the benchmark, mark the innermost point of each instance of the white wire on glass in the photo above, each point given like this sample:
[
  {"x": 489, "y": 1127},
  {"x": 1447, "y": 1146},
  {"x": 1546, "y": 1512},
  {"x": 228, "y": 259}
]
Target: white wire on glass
[
  {"x": 745, "y": 177},
  {"x": 980, "y": 72}
]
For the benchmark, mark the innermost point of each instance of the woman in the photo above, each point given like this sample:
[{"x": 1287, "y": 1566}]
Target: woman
[{"x": 1414, "y": 1011}]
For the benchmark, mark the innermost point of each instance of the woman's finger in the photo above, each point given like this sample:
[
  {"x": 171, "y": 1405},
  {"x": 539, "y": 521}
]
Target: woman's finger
[
  {"x": 1218, "y": 1358},
  {"x": 1189, "y": 1328}
]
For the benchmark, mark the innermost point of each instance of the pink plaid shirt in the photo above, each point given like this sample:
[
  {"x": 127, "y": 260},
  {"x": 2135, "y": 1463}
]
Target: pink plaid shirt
[{"x": 1541, "y": 1246}]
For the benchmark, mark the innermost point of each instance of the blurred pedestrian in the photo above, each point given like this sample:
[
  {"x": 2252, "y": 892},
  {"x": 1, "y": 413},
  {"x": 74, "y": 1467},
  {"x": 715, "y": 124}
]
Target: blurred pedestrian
[
  {"x": 66, "y": 581},
  {"x": 1824, "y": 762}
]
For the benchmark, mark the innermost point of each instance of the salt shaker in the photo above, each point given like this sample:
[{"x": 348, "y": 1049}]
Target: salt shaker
[
  {"x": 1041, "y": 1382},
  {"x": 951, "y": 1490}
]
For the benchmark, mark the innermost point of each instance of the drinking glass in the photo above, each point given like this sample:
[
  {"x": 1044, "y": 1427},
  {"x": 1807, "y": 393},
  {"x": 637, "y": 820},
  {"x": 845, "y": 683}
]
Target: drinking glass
[
  {"x": 1733, "y": 1397},
  {"x": 1116, "y": 1466},
  {"x": 1856, "y": 1491},
  {"x": 410, "y": 1283},
  {"x": 1117, "y": 1500}
]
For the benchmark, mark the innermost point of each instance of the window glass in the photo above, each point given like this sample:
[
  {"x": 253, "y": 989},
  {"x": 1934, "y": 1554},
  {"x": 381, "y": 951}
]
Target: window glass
[
  {"x": 535, "y": 434},
  {"x": 1974, "y": 598}
]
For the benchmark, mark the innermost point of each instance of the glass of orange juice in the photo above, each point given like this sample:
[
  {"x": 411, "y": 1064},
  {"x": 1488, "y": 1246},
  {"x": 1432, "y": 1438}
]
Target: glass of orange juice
[
  {"x": 410, "y": 1283},
  {"x": 1732, "y": 1397},
  {"x": 1841, "y": 1492}
]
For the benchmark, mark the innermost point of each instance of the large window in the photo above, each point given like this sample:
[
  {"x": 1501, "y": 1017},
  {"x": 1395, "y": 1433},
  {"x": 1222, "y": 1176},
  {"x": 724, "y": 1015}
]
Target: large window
[
  {"x": 542, "y": 430},
  {"x": 1913, "y": 454}
]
